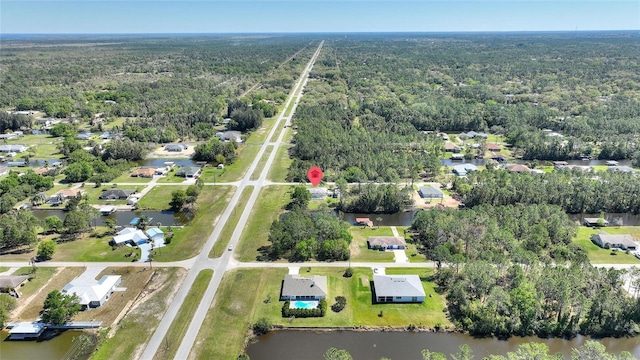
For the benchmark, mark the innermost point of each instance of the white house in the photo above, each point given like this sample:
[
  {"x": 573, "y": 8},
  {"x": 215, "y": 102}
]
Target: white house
[
  {"x": 129, "y": 235},
  {"x": 93, "y": 293},
  {"x": 296, "y": 287},
  {"x": 398, "y": 288},
  {"x": 155, "y": 234},
  {"x": 13, "y": 148}
]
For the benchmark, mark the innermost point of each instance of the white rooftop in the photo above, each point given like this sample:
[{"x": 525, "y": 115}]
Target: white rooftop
[{"x": 91, "y": 290}]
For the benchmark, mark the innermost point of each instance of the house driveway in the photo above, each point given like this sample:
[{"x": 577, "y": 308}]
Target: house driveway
[
  {"x": 145, "y": 249},
  {"x": 399, "y": 256},
  {"x": 294, "y": 270}
]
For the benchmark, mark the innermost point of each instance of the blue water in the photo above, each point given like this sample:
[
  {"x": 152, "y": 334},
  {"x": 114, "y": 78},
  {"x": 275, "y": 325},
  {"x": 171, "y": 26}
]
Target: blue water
[{"x": 304, "y": 304}]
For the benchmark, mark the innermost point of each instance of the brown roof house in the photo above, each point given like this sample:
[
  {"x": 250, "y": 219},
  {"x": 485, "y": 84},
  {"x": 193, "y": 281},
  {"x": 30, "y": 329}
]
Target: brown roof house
[
  {"x": 517, "y": 168},
  {"x": 386, "y": 242},
  {"x": 451, "y": 147},
  {"x": 493, "y": 147},
  {"x": 144, "y": 172}
]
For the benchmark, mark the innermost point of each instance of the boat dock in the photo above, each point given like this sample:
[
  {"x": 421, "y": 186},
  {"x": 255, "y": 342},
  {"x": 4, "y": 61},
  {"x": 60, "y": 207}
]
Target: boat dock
[{"x": 33, "y": 330}]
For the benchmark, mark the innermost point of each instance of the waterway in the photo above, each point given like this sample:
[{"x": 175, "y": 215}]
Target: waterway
[
  {"x": 614, "y": 219},
  {"x": 54, "y": 348},
  {"x": 407, "y": 345},
  {"x": 166, "y": 218}
]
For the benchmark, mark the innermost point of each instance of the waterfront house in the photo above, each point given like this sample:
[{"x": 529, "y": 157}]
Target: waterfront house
[
  {"x": 493, "y": 147},
  {"x": 594, "y": 222},
  {"x": 144, "y": 172},
  {"x": 517, "y": 168},
  {"x": 430, "y": 192},
  {"x": 10, "y": 283},
  {"x": 93, "y": 293},
  {"x": 176, "y": 147},
  {"x": 617, "y": 241},
  {"x": 386, "y": 243},
  {"x": 296, "y": 287},
  {"x": 155, "y": 234},
  {"x": 451, "y": 147},
  {"x": 398, "y": 289},
  {"x": 115, "y": 194},
  {"x": 189, "y": 172},
  {"x": 130, "y": 236},
  {"x": 463, "y": 169},
  {"x": 16, "y": 148}
]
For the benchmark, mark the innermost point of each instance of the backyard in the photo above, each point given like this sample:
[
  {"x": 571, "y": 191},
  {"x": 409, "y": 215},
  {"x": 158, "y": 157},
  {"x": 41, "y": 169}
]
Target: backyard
[{"x": 598, "y": 255}]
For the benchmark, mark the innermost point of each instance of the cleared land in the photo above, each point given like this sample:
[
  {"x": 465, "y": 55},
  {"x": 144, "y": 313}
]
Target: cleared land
[
  {"x": 598, "y": 255},
  {"x": 268, "y": 207},
  {"x": 187, "y": 241},
  {"x": 127, "y": 338},
  {"x": 181, "y": 323},
  {"x": 159, "y": 197},
  {"x": 280, "y": 165},
  {"x": 221, "y": 244},
  {"x": 127, "y": 178}
]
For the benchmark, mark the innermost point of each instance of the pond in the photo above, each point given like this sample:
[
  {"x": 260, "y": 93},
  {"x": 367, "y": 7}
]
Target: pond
[
  {"x": 160, "y": 162},
  {"x": 54, "y": 348},
  {"x": 614, "y": 219},
  {"x": 166, "y": 218},
  {"x": 396, "y": 219},
  {"x": 406, "y": 345}
]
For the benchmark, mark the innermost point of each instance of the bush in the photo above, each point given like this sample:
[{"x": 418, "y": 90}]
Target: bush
[
  {"x": 348, "y": 273},
  {"x": 341, "y": 302},
  {"x": 262, "y": 326},
  {"x": 46, "y": 248},
  {"x": 320, "y": 311}
]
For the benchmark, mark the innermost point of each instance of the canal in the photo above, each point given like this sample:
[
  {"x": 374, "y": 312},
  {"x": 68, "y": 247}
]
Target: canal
[
  {"x": 407, "y": 345},
  {"x": 165, "y": 218},
  {"x": 54, "y": 348}
]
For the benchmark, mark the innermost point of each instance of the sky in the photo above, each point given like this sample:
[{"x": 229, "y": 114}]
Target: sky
[{"x": 299, "y": 16}]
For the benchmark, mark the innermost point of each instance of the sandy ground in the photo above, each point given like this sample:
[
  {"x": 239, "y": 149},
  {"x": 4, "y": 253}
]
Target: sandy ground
[
  {"x": 421, "y": 203},
  {"x": 161, "y": 153}
]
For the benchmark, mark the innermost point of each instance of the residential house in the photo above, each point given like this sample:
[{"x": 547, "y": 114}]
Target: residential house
[
  {"x": 473, "y": 134},
  {"x": 430, "y": 192},
  {"x": 623, "y": 169},
  {"x": 66, "y": 194},
  {"x": 296, "y": 287},
  {"x": 144, "y": 172},
  {"x": 130, "y": 236},
  {"x": 451, "y": 147},
  {"x": 617, "y": 241},
  {"x": 517, "y": 168},
  {"x": 493, "y": 147},
  {"x": 115, "y": 194},
  {"x": 162, "y": 170},
  {"x": 84, "y": 136},
  {"x": 176, "y": 147},
  {"x": 235, "y": 136},
  {"x": 93, "y": 293},
  {"x": 318, "y": 193},
  {"x": 398, "y": 289},
  {"x": 386, "y": 242},
  {"x": 41, "y": 171},
  {"x": 14, "y": 148},
  {"x": 463, "y": 169},
  {"x": 189, "y": 172},
  {"x": 155, "y": 234},
  {"x": 11, "y": 283}
]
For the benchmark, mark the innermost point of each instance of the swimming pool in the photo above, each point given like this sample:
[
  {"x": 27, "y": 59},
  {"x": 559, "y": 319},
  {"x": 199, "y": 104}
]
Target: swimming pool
[{"x": 299, "y": 304}]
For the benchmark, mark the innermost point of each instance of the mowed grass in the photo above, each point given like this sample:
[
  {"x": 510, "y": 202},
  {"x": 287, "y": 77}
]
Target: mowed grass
[
  {"x": 598, "y": 255},
  {"x": 179, "y": 326},
  {"x": 187, "y": 242},
  {"x": 134, "y": 330},
  {"x": 36, "y": 281},
  {"x": 246, "y": 295},
  {"x": 32, "y": 310},
  {"x": 268, "y": 207},
  {"x": 127, "y": 178},
  {"x": 134, "y": 279},
  {"x": 359, "y": 249},
  {"x": 221, "y": 244},
  {"x": 42, "y": 152},
  {"x": 233, "y": 172},
  {"x": 159, "y": 197},
  {"x": 238, "y": 300},
  {"x": 261, "y": 163}
]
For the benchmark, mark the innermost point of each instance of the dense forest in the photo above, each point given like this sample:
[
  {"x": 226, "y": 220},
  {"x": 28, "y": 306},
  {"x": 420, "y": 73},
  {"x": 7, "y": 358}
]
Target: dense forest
[
  {"x": 371, "y": 97},
  {"x": 502, "y": 277},
  {"x": 574, "y": 190},
  {"x": 180, "y": 86}
]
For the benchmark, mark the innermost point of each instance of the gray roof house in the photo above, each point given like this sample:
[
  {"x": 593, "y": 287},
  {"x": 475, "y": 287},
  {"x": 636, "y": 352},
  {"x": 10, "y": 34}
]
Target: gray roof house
[
  {"x": 318, "y": 193},
  {"x": 16, "y": 148},
  {"x": 623, "y": 169},
  {"x": 188, "y": 171},
  {"x": 430, "y": 192},
  {"x": 398, "y": 289},
  {"x": 463, "y": 169},
  {"x": 9, "y": 283},
  {"x": 618, "y": 241},
  {"x": 115, "y": 194},
  {"x": 231, "y": 136},
  {"x": 296, "y": 287},
  {"x": 176, "y": 147},
  {"x": 386, "y": 242}
]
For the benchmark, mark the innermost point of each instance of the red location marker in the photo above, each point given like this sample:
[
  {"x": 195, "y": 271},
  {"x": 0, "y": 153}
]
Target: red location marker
[{"x": 315, "y": 175}]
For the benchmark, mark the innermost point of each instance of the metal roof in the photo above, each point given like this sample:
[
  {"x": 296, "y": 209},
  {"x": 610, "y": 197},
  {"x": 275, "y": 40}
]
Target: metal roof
[
  {"x": 398, "y": 285},
  {"x": 296, "y": 285}
]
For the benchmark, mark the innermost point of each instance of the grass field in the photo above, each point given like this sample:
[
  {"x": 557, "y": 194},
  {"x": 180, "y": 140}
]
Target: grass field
[
  {"x": 233, "y": 172},
  {"x": 41, "y": 276},
  {"x": 180, "y": 324},
  {"x": 159, "y": 197},
  {"x": 261, "y": 163},
  {"x": 187, "y": 241},
  {"x": 171, "y": 177},
  {"x": 259, "y": 136},
  {"x": 127, "y": 178},
  {"x": 137, "y": 326},
  {"x": 32, "y": 310},
  {"x": 221, "y": 244},
  {"x": 598, "y": 255},
  {"x": 267, "y": 208},
  {"x": 117, "y": 122},
  {"x": 41, "y": 152},
  {"x": 246, "y": 295},
  {"x": 359, "y": 250}
]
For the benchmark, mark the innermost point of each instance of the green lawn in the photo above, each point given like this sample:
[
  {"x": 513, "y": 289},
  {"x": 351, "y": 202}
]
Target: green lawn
[
  {"x": 117, "y": 122},
  {"x": 233, "y": 172},
  {"x": 359, "y": 250},
  {"x": 4, "y": 268},
  {"x": 315, "y": 204},
  {"x": 259, "y": 136},
  {"x": 180, "y": 324},
  {"x": 600, "y": 167},
  {"x": 261, "y": 163},
  {"x": 34, "y": 140},
  {"x": 42, "y": 152},
  {"x": 280, "y": 166},
  {"x": 597, "y": 255},
  {"x": 221, "y": 244},
  {"x": 159, "y": 197},
  {"x": 171, "y": 177},
  {"x": 246, "y": 295},
  {"x": 268, "y": 207},
  {"x": 137, "y": 326},
  {"x": 37, "y": 279},
  {"x": 187, "y": 241},
  {"x": 93, "y": 193},
  {"x": 127, "y": 178}
]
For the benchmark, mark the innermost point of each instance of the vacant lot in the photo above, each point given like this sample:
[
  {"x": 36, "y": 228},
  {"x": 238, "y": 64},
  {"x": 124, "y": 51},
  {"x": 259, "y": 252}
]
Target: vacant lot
[
  {"x": 280, "y": 166},
  {"x": 159, "y": 197}
]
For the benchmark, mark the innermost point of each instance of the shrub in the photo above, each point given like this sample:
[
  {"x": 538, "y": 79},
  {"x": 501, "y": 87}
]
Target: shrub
[
  {"x": 262, "y": 326},
  {"x": 341, "y": 302},
  {"x": 320, "y": 311},
  {"x": 348, "y": 273}
]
